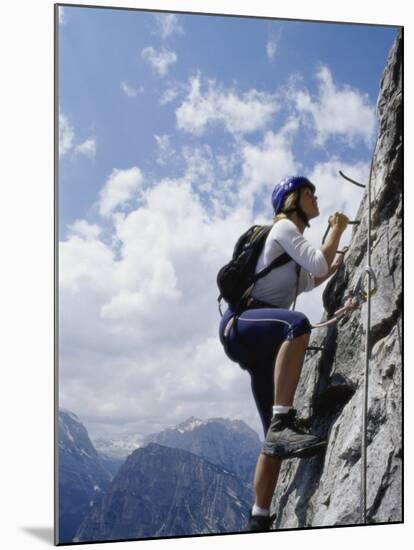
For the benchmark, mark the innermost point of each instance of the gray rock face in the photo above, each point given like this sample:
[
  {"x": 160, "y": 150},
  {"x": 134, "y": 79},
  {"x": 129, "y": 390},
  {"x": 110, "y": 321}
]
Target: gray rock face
[
  {"x": 231, "y": 444},
  {"x": 325, "y": 490},
  {"x": 161, "y": 491}
]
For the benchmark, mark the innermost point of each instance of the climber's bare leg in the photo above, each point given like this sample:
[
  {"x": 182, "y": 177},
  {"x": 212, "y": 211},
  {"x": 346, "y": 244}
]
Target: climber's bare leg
[
  {"x": 288, "y": 367},
  {"x": 287, "y": 371},
  {"x": 265, "y": 479}
]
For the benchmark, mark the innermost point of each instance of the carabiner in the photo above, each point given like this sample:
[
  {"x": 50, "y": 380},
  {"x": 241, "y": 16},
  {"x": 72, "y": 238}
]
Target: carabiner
[{"x": 359, "y": 292}]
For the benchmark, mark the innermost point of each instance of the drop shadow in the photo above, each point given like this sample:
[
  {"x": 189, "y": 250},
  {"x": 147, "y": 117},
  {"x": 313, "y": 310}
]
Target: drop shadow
[{"x": 43, "y": 533}]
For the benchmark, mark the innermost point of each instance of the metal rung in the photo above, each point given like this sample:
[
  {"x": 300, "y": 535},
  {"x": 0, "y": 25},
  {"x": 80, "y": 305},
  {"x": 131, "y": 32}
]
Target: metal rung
[
  {"x": 351, "y": 222},
  {"x": 351, "y": 180}
]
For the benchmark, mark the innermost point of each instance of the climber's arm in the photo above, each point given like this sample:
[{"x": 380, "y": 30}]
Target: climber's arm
[{"x": 337, "y": 262}]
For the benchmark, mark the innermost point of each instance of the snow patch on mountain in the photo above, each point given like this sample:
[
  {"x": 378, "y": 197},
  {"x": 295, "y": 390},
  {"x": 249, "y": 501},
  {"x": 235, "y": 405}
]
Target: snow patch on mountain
[{"x": 189, "y": 425}]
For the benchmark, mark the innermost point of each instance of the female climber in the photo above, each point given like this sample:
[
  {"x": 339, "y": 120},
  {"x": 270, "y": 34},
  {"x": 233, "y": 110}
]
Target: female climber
[{"x": 269, "y": 340}]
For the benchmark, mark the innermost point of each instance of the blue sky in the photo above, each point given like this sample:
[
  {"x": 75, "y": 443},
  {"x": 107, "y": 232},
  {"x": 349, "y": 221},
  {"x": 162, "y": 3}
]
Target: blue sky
[{"x": 173, "y": 131}]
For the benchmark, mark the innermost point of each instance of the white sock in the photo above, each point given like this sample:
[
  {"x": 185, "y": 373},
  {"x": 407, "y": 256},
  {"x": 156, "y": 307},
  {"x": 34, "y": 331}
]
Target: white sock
[
  {"x": 257, "y": 511},
  {"x": 281, "y": 409}
]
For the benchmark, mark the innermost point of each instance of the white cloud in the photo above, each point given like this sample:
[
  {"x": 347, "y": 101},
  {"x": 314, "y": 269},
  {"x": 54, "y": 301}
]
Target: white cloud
[
  {"x": 168, "y": 24},
  {"x": 193, "y": 379},
  {"x": 342, "y": 112},
  {"x": 159, "y": 61},
  {"x": 267, "y": 163},
  {"x": 129, "y": 90},
  {"x": 166, "y": 151},
  {"x": 271, "y": 49},
  {"x": 83, "y": 229},
  {"x": 273, "y": 43},
  {"x": 160, "y": 289},
  {"x": 67, "y": 140},
  {"x": 87, "y": 148},
  {"x": 169, "y": 95},
  {"x": 134, "y": 323},
  {"x": 243, "y": 114},
  {"x": 200, "y": 168},
  {"x": 85, "y": 266},
  {"x": 163, "y": 141},
  {"x": 119, "y": 189},
  {"x": 66, "y": 135}
]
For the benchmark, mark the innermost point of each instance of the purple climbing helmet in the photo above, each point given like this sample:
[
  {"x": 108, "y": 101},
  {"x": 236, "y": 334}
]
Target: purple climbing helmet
[{"x": 285, "y": 187}]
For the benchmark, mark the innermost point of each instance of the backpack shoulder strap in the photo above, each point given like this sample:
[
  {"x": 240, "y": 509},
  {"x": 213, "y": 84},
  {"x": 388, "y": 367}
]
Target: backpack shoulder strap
[{"x": 277, "y": 262}]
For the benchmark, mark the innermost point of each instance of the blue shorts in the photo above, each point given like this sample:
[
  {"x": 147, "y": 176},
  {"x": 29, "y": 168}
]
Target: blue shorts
[{"x": 253, "y": 340}]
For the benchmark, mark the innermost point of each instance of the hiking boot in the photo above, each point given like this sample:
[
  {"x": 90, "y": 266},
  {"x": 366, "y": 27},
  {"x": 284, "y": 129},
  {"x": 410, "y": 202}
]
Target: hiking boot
[
  {"x": 286, "y": 438},
  {"x": 259, "y": 523}
]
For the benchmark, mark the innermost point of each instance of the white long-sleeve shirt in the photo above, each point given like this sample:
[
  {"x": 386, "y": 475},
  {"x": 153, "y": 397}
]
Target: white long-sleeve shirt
[{"x": 279, "y": 286}]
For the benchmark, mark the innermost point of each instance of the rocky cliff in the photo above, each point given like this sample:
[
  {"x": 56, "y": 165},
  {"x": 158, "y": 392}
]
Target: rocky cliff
[{"x": 325, "y": 490}]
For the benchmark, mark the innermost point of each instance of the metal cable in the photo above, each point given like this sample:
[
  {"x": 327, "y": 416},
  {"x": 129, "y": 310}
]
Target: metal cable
[
  {"x": 370, "y": 274},
  {"x": 363, "y": 508}
]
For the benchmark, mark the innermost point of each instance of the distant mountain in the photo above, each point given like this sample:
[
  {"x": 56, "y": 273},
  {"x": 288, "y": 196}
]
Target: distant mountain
[
  {"x": 117, "y": 448},
  {"x": 162, "y": 491},
  {"x": 231, "y": 444},
  {"x": 83, "y": 477}
]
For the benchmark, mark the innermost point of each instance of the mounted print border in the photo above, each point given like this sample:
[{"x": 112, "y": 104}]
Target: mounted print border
[{"x": 172, "y": 131}]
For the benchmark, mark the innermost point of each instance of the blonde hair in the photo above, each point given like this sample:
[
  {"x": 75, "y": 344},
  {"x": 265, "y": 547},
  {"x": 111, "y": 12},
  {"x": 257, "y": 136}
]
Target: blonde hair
[{"x": 289, "y": 204}]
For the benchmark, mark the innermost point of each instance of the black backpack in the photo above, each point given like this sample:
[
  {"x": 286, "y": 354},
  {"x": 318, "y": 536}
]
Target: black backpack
[{"x": 236, "y": 279}]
